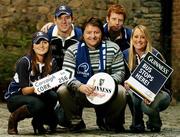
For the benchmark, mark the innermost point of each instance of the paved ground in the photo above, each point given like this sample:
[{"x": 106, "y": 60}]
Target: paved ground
[{"x": 170, "y": 118}]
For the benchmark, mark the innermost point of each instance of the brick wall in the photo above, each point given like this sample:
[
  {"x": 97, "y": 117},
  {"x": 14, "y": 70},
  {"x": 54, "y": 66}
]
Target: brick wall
[{"x": 175, "y": 48}]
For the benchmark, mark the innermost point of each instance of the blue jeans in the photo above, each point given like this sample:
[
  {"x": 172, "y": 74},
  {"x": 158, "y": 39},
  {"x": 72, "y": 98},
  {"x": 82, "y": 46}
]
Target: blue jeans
[
  {"x": 41, "y": 107},
  {"x": 161, "y": 102}
]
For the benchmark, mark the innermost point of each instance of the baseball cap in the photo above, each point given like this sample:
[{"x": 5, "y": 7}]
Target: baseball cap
[
  {"x": 39, "y": 35},
  {"x": 63, "y": 9}
]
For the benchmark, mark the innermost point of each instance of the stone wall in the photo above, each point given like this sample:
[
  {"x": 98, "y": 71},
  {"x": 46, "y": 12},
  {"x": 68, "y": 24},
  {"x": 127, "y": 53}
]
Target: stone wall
[{"x": 20, "y": 18}]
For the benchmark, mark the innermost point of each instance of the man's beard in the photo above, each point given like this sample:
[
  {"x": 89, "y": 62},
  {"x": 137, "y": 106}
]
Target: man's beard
[{"x": 114, "y": 33}]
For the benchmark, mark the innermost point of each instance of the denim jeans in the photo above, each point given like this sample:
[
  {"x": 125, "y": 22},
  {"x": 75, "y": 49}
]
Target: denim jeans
[
  {"x": 36, "y": 104},
  {"x": 161, "y": 102}
]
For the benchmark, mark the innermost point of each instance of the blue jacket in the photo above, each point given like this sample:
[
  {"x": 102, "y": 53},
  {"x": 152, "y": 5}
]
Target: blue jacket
[
  {"x": 122, "y": 42},
  {"x": 24, "y": 77}
]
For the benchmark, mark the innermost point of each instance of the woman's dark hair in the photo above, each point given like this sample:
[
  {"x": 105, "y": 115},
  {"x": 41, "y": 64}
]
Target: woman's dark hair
[
  {"x": 47, "y": 61},
  {"x": 94, "y": 21}
]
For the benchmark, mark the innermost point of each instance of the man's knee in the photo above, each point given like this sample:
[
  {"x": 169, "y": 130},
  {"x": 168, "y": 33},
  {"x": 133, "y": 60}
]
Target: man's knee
[
  {"x": 122, "y": 94},
  {"x": 64, "y": 94},
  {"x": 62, "y": 90}
]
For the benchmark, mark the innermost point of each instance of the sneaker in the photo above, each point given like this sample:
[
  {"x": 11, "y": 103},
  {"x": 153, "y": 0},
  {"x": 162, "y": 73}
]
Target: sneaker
[{"x": 78, "y": 127}]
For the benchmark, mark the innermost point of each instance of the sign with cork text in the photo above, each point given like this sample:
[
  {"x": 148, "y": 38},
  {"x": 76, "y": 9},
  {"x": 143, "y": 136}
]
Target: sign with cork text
[{"x": 52, "y": 81}]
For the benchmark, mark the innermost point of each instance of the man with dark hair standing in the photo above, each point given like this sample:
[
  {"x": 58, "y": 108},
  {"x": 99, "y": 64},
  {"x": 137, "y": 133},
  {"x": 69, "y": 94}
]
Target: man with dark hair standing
[{"x": 62, "y": 33}]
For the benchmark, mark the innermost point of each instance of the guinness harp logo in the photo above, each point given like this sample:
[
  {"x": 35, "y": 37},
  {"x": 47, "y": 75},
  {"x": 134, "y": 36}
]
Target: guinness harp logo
[{"x": 101, "y": 81}]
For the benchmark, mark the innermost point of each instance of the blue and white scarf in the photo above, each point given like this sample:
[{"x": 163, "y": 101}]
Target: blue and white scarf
[{"x": 83, "y": 66}]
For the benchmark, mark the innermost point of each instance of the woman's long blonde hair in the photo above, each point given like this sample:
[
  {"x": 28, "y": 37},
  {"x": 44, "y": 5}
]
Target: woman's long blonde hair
[{"x": 132, "y": 52}]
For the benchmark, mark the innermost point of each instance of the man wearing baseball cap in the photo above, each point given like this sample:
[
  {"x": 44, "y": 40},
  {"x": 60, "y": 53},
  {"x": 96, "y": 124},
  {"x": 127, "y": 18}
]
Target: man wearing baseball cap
[
  {"x": 63, "y": 10},
  {"x": 63, "y": 33}
]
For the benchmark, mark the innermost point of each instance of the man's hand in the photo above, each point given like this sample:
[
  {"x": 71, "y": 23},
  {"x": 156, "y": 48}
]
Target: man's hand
[
  {"x": 87, "y": 89},
  {"x": 46, "y": 27}
]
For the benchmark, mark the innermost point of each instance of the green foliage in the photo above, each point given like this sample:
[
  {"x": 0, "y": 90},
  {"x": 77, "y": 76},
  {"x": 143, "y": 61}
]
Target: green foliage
[
  {"x": 8, "y": 58},
  {"x": 14, "y": 42}
]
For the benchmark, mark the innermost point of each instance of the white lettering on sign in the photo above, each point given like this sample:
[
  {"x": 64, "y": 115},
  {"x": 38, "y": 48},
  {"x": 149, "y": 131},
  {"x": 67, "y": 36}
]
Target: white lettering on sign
[
  {"x": 144, "y": 75},
  {"x": 158, "y": 65}
]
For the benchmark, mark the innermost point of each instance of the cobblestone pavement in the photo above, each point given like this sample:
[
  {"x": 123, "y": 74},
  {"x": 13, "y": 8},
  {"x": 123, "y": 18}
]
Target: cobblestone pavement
[{"x": 170, "y": 128}]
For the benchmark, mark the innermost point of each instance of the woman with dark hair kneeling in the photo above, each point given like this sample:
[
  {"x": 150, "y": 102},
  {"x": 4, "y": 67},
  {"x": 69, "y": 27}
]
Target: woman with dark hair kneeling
[{"x": 23, "y": 101}]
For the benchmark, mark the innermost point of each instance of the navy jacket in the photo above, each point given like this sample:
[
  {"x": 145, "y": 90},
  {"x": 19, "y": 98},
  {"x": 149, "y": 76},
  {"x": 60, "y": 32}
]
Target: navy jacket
[
  {"x": 122, "y": 42},
  {"x": 59, "y": 46}
]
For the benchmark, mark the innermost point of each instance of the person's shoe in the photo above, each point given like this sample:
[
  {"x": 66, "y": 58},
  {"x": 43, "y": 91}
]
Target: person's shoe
[
  {"x": 116, "y": 129},
  {"x": 120, "y": 129},
  {"x": 137, "y": 128},
  {"x": 101, "y": 124},
  {"x": 152, "y": 128},
  {"x": 16, "y": 116},
  {"x": 155, "y": 129},
  {"x": 38, "y": 127},
  {"x": 51, "y": 127},
  {"x": 12, "y": 125},
  {"x": 78, "y": 127}
]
